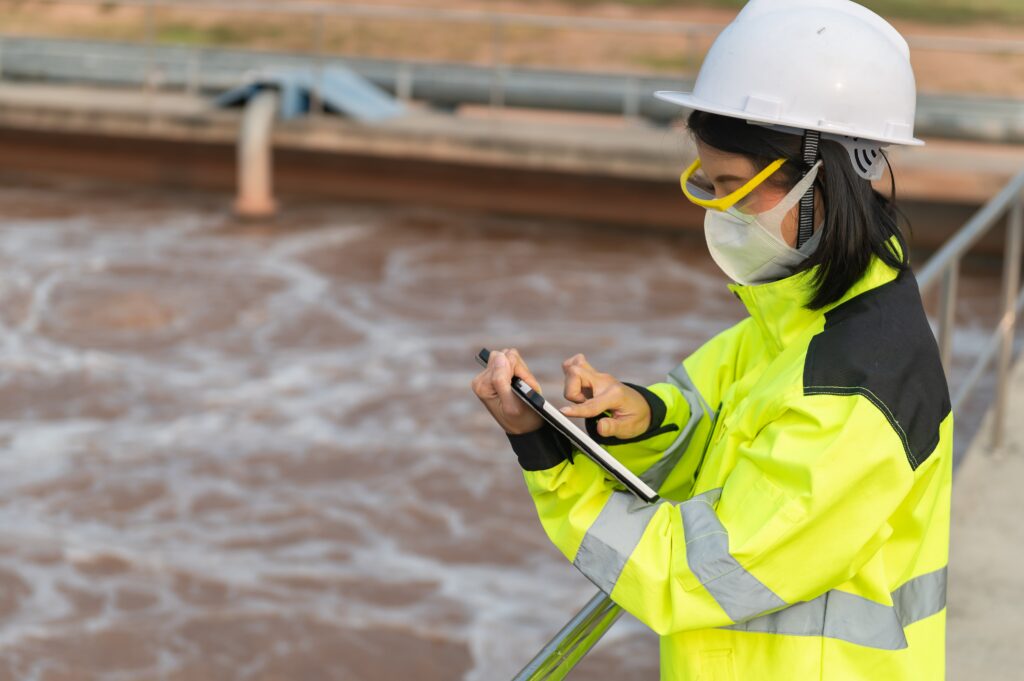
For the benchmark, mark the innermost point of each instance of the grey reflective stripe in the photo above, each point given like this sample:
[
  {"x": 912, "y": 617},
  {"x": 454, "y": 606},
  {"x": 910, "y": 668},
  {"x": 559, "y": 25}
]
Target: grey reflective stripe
[
  {"x": 800, "y": 619},
  {"x": 621, "y": 524},
  {"x": 740, "y": 594},
  {"x": 835, "y": 614},
  {"x": 851, "y": 618},
  {"x": 656, "y": 474},
  {"x": 921, "y": 597},
  {"x": 610, "y": 541},
  {"x": 862, "y": 621}
]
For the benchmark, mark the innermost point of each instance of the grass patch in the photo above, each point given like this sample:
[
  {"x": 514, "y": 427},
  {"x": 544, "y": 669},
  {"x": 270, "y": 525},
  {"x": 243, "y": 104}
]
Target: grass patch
[
  {"x": 933, "y": 11},
  {"x": 668, "y": 63},
  {"x": 217, "y": 33}
]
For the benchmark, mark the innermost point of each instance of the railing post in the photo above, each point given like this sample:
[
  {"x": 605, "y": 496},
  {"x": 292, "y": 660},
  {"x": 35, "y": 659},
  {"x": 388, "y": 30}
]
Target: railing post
[
  {"x": 1008, "y": 323},
  {"x": 149, "y": 29},
  {"x": 947, "y": 315},
  {"x": 689, "y": 53},
  {"x": 631, "y": 98},
  {"x": 403, "y": 82},
  {"x": 497, "y": 62},
  {"x": 316, "y": 104},
  {"x": 192, "y": 86}
]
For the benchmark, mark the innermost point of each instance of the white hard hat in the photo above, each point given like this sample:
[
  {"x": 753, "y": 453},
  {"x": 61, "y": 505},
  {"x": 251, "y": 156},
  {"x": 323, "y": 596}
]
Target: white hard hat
[{"x": 826, "y": 65}]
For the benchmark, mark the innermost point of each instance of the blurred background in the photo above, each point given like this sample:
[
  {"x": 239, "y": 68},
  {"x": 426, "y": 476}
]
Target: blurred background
[{"x": 249, "y": 249}]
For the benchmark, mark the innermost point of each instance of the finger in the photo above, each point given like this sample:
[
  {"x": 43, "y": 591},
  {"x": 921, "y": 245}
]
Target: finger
[
  {"x": 577, "y": 360},
  {"x": 574, "y": 386},
  {"x": 579, "y": 381},
  {"x": 498, "y": 368},
  {"x": 579, "y": 385},
  {"x": 501, "y": 382},
  {"x": 520, "y": 369},
  {"x": 597, "y": 405},
  {"x": 608, "y": 427},
  {"x": 481, "y": 385}
]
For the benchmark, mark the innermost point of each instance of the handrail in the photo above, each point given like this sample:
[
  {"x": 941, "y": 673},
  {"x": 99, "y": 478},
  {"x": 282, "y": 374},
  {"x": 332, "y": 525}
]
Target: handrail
[
  {"x": 556, "y": 659},
  {"x": 575, "y": 640},
  {"x": 968, "y": 235},
  {"x": 439, "y": 84},
  {"x": 498, "y": 22},
  {"x": 944, "y": 268}
]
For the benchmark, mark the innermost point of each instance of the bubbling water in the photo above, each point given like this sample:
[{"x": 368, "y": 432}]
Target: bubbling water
[{"x": 250, "y": 451}]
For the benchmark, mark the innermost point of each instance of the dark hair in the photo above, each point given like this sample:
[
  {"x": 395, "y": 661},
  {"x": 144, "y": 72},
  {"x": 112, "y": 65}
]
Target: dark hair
[{"x": 859, "y": 221}]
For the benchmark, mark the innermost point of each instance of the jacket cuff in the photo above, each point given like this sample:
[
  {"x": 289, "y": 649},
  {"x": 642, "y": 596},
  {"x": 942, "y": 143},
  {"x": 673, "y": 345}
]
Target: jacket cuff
[
  {"x": 658, "y": 412},
  {"x": 541, "y": 449}
]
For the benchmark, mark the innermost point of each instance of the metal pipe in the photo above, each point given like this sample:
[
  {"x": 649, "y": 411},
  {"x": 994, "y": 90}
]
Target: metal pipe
[
  {"x": 576, "y": 638},
  {"x": 497, "y": 61},
  {"x": 149, "y": 37},
  {"x": 947, "y": 315},
  {"x": 993, "y": 344},
  {"x": 449, "y": 85},
  {"x": 631, "y": 99},
  {"x": 970, "y": 233},
  {"x": 1008, "y": 323},
  {"x": 403, "y": 82},
  {"x": 974, "y": 375},
  {"x": 255, "y": 160},
  {"x": 192, "y": 85},
  {"x": 316, "y": 103}
]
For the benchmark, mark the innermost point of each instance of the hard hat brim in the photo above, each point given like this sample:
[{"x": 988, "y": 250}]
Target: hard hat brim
[{"x": 690, "y": 101}]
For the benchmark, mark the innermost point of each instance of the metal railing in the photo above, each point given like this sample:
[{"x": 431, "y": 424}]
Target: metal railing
[
  {"x": 944, "y": 268},
  {"x": 556, "y": 659},
  {"x": 498, "y": 24},
  {"x": 444, "y": 86}
]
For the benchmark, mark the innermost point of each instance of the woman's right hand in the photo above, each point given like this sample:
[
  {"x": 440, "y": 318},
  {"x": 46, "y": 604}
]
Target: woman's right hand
[
  {"x": 493, "y": 386},
  {"x": 627, "y": 413}
]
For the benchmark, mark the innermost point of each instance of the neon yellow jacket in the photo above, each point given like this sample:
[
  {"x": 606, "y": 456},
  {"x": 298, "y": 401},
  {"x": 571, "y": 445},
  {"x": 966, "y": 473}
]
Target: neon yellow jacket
[{"x": 804, "y": 463}]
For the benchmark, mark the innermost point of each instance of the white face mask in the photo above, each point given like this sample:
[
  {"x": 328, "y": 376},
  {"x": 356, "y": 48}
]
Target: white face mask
[{"x": 754, "y": 251}]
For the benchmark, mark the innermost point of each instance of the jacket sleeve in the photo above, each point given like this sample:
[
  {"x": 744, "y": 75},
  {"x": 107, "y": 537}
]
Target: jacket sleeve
[
  {"x": 683, "y": 410},
  {"x": 804, "y": 508}
]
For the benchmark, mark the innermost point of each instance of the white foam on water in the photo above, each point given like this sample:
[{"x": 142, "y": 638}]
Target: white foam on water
[{"x": 280, "y": 418}]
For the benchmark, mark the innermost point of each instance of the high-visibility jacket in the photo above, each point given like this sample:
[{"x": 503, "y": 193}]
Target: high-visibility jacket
[{"x": 804, "y": 463}]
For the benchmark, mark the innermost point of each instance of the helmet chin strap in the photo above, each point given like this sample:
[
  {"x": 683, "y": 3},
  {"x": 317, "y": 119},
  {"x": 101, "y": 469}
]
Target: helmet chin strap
[{"x": 806, "y": 222}]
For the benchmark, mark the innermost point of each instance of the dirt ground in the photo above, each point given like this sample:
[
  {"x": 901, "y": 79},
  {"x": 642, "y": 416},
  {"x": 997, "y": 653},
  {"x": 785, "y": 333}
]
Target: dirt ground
[{"x": 995, "y": 74}]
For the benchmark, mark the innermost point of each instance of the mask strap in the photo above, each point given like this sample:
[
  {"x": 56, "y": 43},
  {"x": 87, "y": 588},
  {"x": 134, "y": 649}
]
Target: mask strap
[{"x": 806, "y": 225}]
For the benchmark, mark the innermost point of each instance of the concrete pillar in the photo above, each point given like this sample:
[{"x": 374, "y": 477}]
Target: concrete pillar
[{"x": 255, "y": 197}]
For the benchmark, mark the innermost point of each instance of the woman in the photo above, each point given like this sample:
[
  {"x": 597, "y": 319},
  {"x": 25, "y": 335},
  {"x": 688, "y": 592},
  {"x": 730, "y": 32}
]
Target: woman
[{"x": 804, "y": 455}]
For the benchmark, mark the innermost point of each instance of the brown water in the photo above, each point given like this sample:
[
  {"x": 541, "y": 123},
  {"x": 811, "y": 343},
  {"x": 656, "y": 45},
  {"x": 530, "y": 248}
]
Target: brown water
[{"x": 245, "y": 451}]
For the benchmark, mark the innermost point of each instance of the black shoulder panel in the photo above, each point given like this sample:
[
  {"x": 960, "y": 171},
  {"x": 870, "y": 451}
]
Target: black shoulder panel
[{"x": 879, "y": 345}]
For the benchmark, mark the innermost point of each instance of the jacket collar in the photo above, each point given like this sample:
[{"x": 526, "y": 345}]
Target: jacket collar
[{"x": 777, "y": 307}]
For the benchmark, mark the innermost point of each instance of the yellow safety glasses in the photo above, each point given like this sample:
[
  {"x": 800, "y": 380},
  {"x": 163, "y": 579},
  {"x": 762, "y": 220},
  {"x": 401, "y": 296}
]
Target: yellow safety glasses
[{"x": 699, "y": 190}]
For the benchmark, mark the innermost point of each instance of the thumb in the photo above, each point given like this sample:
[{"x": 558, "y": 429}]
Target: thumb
[
  {"x": 595, "y": 406},
  {"x": 608, "y": 427}
]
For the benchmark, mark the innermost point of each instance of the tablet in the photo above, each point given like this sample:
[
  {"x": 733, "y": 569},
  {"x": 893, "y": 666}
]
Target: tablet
[{"x": 577, "y": 436}]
